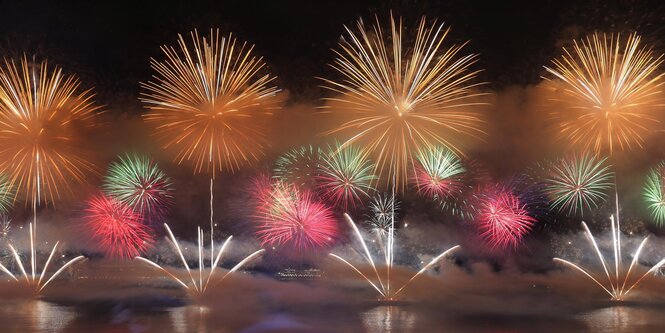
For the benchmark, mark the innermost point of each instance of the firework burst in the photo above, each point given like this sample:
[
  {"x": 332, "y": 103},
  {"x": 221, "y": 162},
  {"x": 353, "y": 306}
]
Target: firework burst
[
  {"x": 206, "y": 100},
  {"x": 299, "y": 166},
  {"x": 43, "y": 113},
  {"x": 137, "y": 181},
  {"x": 654, "y": 193},
  {"x": 502, "y": 219},
  {"x": 609, "y": 87},
  {"x": 438, "y": 173},
  {"x": 346, "y": 176},
  {"x": 403, "y": 96},
  {"x": 117, "y": 227},
  {"x": 578, "y": 183},
  {"x": 288, "y": 216},
  {"x": 382, "y": 209}
]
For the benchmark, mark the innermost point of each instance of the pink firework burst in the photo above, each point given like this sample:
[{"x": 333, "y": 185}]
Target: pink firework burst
[
  {"x": 294, "y": 218},
  {"x": 438, "y": 173},
  {"x": 118, "y": 229},
  {"x": 502, "y": 220}
]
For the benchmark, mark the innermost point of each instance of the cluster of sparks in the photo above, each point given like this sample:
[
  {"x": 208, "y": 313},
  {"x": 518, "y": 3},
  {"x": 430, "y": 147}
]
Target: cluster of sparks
[
  {"x": 578, "y": 183},
  {"x": 438, "y": 173},
  {"x": 118, "y": 229},
  {"x": 502, "y": 218},
  {"x": 403, "y": 95},
  {"x": 654, "y": 193},
  {"x": 289, "y": 216},
  {"x": 619, "y": 282},
  {"x": 206, "y": 99},
  {"x": 609, "y": 87}
]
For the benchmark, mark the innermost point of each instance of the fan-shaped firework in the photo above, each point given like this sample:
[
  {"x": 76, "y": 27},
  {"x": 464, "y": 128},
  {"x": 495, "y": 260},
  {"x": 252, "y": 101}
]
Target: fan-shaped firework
[
  {"x": 137, "y": 181},
  {"x": 299, "y": 166},
  {"x": 609, "y": 88},
  {"x": 293, "y": 217},
  {"x": 654, "y": 193},
  {"x": 119, "y": 230},
  {"x": 578, "y": 183},
  {"x": 438, "y": 173},
  {"x": 42, "y": 115},
  {"x": 502, "y": 219},
  {"x": 382, "y": 208},
  {"x": 403, "y": 96},
  {"x": 205, "y": 100},
  {"x": 346, "y": 176}
]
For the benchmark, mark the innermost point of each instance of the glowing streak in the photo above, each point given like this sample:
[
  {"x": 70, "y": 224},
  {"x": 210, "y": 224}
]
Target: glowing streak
[
  {"x": 384, "y": 289},
  {"x": 617, "y": 287}
]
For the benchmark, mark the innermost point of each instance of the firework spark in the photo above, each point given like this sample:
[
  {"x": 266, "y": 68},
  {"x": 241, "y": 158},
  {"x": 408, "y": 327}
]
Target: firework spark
[
  {"x": 137, "y": 181},
  {"x": 117, "y": 227},
  {"x": 42, "y": 114},
  {"x": 346, "y": 176},
  {"x": 619, "y": 282},
  {"x": 382, "y": 209},
  {"x": 609, "y": 88},
  {"x": 299, "y": 166},
  {"x": 654, "y": 193},
  {"x": 502, "y": 219},
  {"x": 382, "y": 282},
  {"x": 578, "y": 183},
  {"x": 403, "y": 97},
  {"x": 288, "y": 216},
  {"x": 438, "y": 173},
  {"x": 206, "y": 100},
  {"x": 199, "y": 284}
]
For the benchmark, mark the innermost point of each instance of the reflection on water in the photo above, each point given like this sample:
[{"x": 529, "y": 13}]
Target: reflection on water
[
  {"x": 40, "y": 316},
  {"x": 389, "y": 319}
]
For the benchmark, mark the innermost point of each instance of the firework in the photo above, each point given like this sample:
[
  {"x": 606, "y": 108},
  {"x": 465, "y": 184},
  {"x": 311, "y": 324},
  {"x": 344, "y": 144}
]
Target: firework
[
  {"x": 5, "y": 225},
  {"x": 206, "y": 100},
  {"x": 199, "y": 284},
  {"x": 299, "y": 166},
  {"x": 383, "y": 207},
  {"x": 137, "y": 181},
  {"x": 382, "y": 282},
  {"x": 292, "y": 217},
  {"x": 438, "y": 173},
  {"x": 609, "y": 88},
  {"x": 654, "y": 193},
  {"x": 7, "y": 194},
  {"x": 403, "y": 96},
  {"x": 501, "y": 218},
  {"x": 617, "y": 285},
  {"x": 33, "y": 279},
  {"x": 118, "y": 229},
  {"x": 578, "y": 183},
  {"x": 345, "y": 176},
  {"x": 42, "y": 115}
]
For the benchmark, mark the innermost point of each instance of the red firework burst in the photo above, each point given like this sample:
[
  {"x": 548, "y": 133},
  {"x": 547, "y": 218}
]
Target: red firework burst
[
  {"x": 290, "y": 217},
  {"x": 502, "y": 220},
  {"x": 118, "y": 229}
]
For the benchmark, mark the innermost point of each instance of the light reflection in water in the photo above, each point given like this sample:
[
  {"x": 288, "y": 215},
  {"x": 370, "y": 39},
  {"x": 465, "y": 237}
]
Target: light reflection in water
[{"x": 389, "y": 318}]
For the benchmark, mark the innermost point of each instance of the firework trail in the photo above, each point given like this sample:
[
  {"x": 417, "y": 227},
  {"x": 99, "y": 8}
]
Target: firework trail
[
  {"x": 289, "y": 216},
  {"x": 138, "y": 182},
  {"x": 619, "y": 282},
  {"x": 117, "y": 228},
  {"x": 578, "y": 183},
  {"x": 403, "y": 96},
  {"x": 654, "y": 193},
  {"x": 382, "y": 207},
  {"x": 345, "y": 176},
  {"x": 606, "y": 90},
  {"x": 200, "y": 284}
]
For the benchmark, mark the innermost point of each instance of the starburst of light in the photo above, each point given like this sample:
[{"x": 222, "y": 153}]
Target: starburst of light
[{"x": 346, "y": 176}]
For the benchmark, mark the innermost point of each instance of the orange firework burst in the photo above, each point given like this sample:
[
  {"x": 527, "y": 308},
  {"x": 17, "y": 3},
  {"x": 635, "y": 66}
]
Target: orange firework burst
[
  {"x": 204, "y": 101},
  {"x": 403, "y": 96},
  {"x": 42, "y": 114},
  {"x": 607, "y": 89}
]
